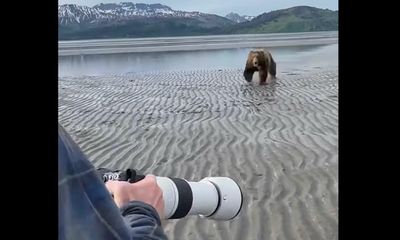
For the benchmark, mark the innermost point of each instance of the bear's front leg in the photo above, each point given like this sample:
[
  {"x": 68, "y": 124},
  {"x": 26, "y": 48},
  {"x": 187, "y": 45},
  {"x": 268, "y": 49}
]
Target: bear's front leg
[
  {"x": 248, "y": 74},
  {"x": 263, "y": 77}
]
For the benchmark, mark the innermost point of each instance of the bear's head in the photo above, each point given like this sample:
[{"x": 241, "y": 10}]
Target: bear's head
[{"x": 257, "y": 58}]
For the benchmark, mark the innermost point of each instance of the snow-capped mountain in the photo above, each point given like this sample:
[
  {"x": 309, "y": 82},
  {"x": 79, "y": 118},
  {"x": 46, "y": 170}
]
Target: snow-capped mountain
[
  {"x": 237, "y": 18},
  {"x": 128, "y": 9},
  {"x": 130, "y": 20},
  {"x": 75, "y": 14}
]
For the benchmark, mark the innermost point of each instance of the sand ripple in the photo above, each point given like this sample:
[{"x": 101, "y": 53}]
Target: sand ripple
[{"x": 279, "y": 142}]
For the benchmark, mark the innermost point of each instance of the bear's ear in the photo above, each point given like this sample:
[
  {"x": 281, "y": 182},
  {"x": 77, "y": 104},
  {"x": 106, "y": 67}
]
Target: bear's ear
[{"x": 250, "y": 55}]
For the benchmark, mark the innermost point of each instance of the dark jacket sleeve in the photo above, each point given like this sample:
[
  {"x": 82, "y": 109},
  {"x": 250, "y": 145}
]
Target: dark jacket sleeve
[{"x": 143, "y": 220}]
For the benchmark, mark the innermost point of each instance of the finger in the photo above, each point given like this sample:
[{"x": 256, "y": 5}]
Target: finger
[
  {"x": 111, "y": 185},
  {"x": 116, "y": 189},
  {"x": 161, "y": 206},
  {"x": 150, "y": 176}
]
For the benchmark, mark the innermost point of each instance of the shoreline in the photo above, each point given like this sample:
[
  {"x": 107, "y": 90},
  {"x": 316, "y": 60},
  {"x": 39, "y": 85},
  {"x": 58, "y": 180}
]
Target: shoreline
[{"x": 213, "y": 42}]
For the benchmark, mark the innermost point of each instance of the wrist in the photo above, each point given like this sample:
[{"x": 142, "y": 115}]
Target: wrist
[{"x": 139, "y": 207}]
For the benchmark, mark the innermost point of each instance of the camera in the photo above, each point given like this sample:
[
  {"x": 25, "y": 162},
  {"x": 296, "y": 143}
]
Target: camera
[{"x": 218, "y": 198}]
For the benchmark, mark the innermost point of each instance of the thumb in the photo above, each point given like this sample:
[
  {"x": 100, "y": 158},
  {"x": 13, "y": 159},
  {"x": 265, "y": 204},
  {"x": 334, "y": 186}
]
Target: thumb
[
  {"x": 117, "y": 191},
  {"x": 111, "y": 185}
]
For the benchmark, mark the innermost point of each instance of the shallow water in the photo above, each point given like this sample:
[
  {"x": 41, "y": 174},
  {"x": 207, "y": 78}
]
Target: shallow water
[{"x": 290, "y": 60}]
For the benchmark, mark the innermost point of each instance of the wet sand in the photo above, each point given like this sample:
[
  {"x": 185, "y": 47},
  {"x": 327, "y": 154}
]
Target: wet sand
[{"x": 279, "y": 142}]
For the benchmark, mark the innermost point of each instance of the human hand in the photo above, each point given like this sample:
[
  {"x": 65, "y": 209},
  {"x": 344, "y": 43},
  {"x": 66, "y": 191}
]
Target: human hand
[{"x": 145, "y": 190}]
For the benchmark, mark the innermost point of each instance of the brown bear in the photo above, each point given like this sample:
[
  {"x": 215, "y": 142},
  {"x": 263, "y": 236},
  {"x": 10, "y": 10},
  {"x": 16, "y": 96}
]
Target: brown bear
[{"x": 259, "y": 60}]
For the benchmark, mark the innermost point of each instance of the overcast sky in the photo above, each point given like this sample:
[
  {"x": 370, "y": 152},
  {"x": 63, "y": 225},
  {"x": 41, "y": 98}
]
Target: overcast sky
[{"x": 222, "y": 7}]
